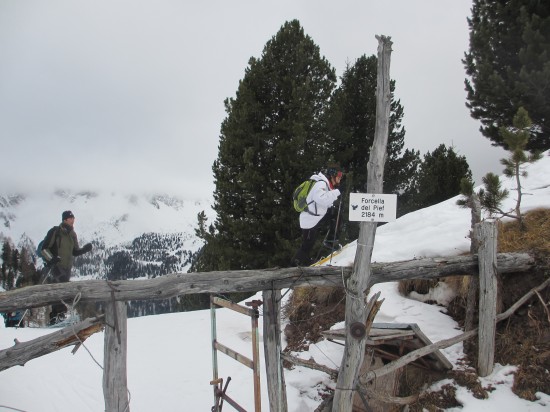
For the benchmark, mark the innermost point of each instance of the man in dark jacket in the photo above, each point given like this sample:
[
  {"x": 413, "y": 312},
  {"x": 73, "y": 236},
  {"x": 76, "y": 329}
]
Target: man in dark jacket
[{"x": 60, "y": 248}]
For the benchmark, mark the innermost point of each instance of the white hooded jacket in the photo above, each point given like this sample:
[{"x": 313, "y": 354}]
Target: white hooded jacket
[{"x": 319, "y": 199}]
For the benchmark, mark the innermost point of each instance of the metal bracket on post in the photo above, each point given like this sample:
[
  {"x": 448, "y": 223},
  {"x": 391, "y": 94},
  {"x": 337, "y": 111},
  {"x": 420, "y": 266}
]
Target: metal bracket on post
[{"x": 255, "y": 304}]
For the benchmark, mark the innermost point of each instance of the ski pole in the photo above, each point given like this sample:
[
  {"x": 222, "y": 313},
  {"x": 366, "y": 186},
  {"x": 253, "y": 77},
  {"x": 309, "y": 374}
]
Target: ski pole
[{"x": 336, "y": 229}]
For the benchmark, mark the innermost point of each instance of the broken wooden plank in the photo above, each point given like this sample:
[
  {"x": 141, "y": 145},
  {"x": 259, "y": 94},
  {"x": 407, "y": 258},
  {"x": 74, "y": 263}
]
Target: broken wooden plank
[
  {"x": 384, "y": 334},
  {"x": 440, "y": 357},
  {"x": 75, "y": 334},
  {"x": 374, "y": 334}
]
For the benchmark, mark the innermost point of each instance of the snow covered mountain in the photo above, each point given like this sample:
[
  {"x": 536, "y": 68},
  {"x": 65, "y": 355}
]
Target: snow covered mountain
[{"x": 140, "y": 235}]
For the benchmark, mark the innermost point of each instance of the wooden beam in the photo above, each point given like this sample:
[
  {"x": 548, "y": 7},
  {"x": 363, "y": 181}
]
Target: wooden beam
[
  {"x": 424, "y": 339},
  {"x": 235, "y": 355},
  {"x": 233, "y": 306},
  {"x": 22, "y": 352},
  {"x": 254, "y": 280},
  {"x": 178, "y": 284}
]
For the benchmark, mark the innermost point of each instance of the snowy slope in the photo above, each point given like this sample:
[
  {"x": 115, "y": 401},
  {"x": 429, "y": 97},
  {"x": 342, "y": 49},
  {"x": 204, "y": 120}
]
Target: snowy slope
[{"x": 169, "y": 356}]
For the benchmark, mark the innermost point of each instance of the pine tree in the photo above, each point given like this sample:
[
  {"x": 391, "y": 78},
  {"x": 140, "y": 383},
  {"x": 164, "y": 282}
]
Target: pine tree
[
  {"x": 508, "y": 65},
  {"x": 351, "y": 124},
  {"x": 6, "y": 264},
  {"x": 516, "y": 139},
  {"x": 29, "y": 275},
  {"x": 272, "y": 138},
  {"x": 15, "y": 268},
  {"x": 439, "y": 177},
  {"x": 206, "y": 257},
  {"x": 492, "y": 194}
]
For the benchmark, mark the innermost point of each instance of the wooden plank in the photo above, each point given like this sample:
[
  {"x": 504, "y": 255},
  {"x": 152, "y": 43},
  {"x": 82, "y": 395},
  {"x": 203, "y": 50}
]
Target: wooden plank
[
  {"x": 402, "y": 332},
  {"x": 445, "y": 364},
  {"x": 373, "y": 335},
  {"x": 233, "y": 306},
  {"x": 22, "y": 352},
  {"x": 377, "y": 331},
  {"x": 397, "y": 335},
  {"x": 391, "y": 325},
  {"x": 233, "y": 354}
]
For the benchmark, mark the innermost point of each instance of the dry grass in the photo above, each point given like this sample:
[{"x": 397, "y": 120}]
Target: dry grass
[
  {"x": 421, "y": 286},
  {"x": 536, "y": 239},
  {"x": 310, "y": 311}
]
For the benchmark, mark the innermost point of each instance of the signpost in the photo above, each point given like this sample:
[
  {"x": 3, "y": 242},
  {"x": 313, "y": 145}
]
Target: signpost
[{"x": 372, "y": 207}]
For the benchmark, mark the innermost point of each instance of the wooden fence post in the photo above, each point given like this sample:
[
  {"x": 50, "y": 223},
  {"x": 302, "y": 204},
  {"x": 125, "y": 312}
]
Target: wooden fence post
[
  {"x": 486, "y": 233},
  {"x": 115, "y": 388},
  {"x": 473, "y": 285},
  {"x": 272, "y": 351},
  {"x": 360, "y": 279}
]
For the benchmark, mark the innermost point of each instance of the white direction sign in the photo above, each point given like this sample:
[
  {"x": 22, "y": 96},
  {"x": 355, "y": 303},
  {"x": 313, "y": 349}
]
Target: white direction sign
[{"x": 372, "y": 207}]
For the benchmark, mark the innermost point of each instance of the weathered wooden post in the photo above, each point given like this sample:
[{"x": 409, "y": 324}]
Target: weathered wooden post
[
  {"x": 358, "y": 283},
  {"x": 486, "y": 233},
  {"x": 473, "y": 286},
  {"x": 115, "y": 388},
  {"x": 272, "y": 351}
]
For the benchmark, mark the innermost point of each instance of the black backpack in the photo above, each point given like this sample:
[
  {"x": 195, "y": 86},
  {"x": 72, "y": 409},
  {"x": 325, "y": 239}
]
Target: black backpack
[{"x": 53, "y": 232}]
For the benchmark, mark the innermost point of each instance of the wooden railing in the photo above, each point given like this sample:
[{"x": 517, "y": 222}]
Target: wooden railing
[{"x": 270, "y": 281}]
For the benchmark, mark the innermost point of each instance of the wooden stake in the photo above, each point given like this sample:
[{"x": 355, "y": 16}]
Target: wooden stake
[{"x": 360, "y": 279}]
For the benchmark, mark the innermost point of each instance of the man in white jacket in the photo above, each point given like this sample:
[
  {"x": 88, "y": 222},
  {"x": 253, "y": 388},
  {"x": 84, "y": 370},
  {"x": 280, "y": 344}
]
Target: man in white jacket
[{"x": 320, "y": 198}]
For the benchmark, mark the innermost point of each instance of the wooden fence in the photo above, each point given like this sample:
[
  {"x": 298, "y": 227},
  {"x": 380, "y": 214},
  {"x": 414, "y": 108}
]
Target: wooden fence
[{"x": 270, "y": 281}]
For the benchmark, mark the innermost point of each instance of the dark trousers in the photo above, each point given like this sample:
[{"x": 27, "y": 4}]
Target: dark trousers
[
  {"x": 58, "y": 275},
  {"x": 309, "y": 236},
  {"x": 302, "y": 256}
]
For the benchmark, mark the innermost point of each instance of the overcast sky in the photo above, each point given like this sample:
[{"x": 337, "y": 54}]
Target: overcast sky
[{"x": 128, "y": 94}]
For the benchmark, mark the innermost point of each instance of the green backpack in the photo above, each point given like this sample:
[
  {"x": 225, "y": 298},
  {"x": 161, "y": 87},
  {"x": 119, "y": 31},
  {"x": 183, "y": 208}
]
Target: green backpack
[{"x": 299, "y": 198}]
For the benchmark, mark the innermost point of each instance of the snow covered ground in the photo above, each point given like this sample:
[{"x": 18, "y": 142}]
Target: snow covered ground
[{"x": 169, "y": 356}]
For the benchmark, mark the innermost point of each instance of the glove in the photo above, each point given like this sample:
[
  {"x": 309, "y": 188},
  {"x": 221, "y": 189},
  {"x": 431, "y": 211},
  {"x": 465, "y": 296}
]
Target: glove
[
  {"x": 87, "y": 248},
  {"x": 54, "y": 260}
]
